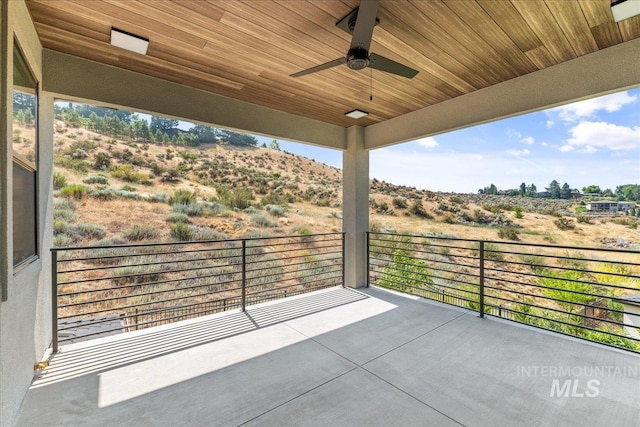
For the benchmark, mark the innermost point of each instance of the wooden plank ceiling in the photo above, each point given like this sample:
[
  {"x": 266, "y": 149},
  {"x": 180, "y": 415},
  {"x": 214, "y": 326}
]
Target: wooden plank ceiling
[{"x": 247, "y": 49}]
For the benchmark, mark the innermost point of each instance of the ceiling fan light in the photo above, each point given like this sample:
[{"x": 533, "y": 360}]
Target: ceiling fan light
[
  {"x": 356, "y": 114},
  {"x": 128, "y": 41},
  {"x": 624, "y": 9}
]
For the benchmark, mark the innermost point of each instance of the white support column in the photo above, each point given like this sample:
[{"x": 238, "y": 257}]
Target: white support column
[{"x": 355, "y": 207}]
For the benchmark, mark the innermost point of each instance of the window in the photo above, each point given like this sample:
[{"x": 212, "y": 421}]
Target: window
[{"x": 25, "y": 149}]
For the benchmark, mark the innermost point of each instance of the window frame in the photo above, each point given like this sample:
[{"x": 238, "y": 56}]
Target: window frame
[{"x": 19, "y": 160}]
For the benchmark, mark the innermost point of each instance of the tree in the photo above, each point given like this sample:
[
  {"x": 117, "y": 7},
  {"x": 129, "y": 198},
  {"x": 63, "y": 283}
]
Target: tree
[
  {"x": 532, "y": 191},
  {"x": 523, "y": 189},
  {"x": 274, "y": 145},
  {"x": 72, "y": 118},
  {"x": 554, "y": 189},
  {"x": 630, "y": 192},
  {"x": 162, "y": 124},
  {"x": 594, "y": 189},
  {"x": 205, "y": 134},
  {"x": 235, "y": 138},
  {"x": 565, "y": 191}
]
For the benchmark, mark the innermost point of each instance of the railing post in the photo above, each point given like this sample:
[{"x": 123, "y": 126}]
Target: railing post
[
  {"x": 244, "y": 274},
  {"x": 367, "y": 253},
  {"x": 481, "y": 309},
  {"x": 54, "y": 301}
]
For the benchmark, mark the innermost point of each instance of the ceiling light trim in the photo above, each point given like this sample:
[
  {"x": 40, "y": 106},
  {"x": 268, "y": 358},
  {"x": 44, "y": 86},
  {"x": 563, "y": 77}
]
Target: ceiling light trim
[
  {"x": 624, "y": 9},
  {"x": 129, "y": 41},
  {"x": 356, "y": 114}
]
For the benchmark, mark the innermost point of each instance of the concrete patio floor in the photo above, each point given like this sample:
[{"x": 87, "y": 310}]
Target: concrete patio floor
[{"x": 338, "y": 357}]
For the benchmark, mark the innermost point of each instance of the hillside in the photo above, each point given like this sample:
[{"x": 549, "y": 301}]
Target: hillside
[{"x": 105, "y": 187}]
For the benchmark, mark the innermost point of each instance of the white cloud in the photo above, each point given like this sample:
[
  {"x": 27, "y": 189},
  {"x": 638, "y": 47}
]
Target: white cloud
[
  {"x": 529, "y": 140},
  {"x": 589, "y": 107},
  {"x": 518, "y": 153},
  {"x": 550, "y": 124},
  {"x": 589, "y": 136},
  {"x": 428, "y": 143},
  {"x": 544, "y": 144}
]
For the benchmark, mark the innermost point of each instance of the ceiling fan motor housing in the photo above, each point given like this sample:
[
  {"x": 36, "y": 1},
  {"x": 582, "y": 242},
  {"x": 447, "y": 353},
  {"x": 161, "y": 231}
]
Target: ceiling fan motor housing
[{"x": 357, "y": 58}]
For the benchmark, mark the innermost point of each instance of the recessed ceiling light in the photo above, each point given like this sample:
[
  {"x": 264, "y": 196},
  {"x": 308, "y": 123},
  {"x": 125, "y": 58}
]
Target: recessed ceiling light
[
  {"x": 128, "y": 41},
  {"x": 356, "y": 114},
  {"x": 624, "y": 9}
]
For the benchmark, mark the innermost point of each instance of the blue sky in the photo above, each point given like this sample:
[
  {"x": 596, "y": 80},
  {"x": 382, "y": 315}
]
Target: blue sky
[{"x": 596, "y": 141}]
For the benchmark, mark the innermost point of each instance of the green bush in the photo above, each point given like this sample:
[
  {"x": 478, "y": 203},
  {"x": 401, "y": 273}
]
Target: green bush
[
  {"x": 76, "y": 165},
  {"x": 275, "y": 210},
  {"x": 262, "y": 221},
  {"x": 399, "y": 203},
  {"x": 64, "y": 204},
  {"x": 76, "y": 191},
  {"x": 564, "y": 223},
  {"x": 509, "y": 233},
  {"x": 518, "y": 212},
  {"x": 234, "y": 198},
  {"x": 178, "y": 217},
  {"x": 205, "y": 233},
  {"x": 88, "y": 231},
  {"x": 59, "y": 181},
  {"x": 104, "y": 194},
  {"x": 64, "y": 214},
  {"x": 582, "y": 219},
  {"x": 158, "y": 198},
  {"x": 140, "y": 232},
  {"x": 63, "y": 240},
  {"x": 96, "y": 179},
  {"x": 181, "y": 232},
  {"x": 304, "y": 231},
  {"x": 192, "y": 209},
  {"x": 183, "y": 197},
  {"x": 418, "y": 210},
  {"x": 60, "y": 226},
  {"x": 126, "y": 173}
]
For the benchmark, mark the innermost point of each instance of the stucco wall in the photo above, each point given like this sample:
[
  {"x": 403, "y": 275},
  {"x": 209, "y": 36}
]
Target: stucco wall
[{"x": 25, "y": 331}]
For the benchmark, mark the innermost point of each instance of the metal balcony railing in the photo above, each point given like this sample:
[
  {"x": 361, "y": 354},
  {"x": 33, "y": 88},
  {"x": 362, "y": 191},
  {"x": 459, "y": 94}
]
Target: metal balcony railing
[
  {"x": 104, "y": 290},
  {"x": 588, "y": 293}
]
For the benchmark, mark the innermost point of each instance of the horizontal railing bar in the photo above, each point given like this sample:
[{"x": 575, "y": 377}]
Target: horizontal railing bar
[
  {"x": 496, "y": 242},
  {"x": 197, "y": 242},
  {"x": 551, "y": 298},
  {"x": 573, "y": 325},
  {"x": 569, "y": 313},
  {"x": 584, "y": 282},
  {"x": 113, "y": 267},
  {"x": 290, "y": 250},
  {"x": 147, "y": 294},
  {"x": 133, "y": 255},
  {"x": 146, "y": 304}
]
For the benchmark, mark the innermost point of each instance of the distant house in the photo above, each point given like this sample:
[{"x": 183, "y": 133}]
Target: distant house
[
  {"x": 609, "y": 206},
  {"x": 631, "y": 315},
  {"x": 543, "y": 194}
]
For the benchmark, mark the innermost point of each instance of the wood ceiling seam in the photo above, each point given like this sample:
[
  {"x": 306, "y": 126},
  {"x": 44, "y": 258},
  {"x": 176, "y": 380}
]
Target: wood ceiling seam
[
  {"x": 460, "y": 31},
  {"x": 463, "y": 69},
  {"x": 543, "y": 23},
  {"x": 492, "y": 33},
  {"x": 573, "y": 23}
]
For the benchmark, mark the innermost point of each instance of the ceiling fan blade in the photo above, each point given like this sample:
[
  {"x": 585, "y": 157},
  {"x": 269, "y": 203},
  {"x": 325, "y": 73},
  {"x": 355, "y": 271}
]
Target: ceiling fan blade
[
  {"x": 378, "y": 62},
  {"x": 366, "y": 20},
  {"x": 320, "y": 67}
]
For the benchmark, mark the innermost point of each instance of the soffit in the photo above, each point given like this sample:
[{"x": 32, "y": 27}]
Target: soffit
[{"x": 247, "y": 50}]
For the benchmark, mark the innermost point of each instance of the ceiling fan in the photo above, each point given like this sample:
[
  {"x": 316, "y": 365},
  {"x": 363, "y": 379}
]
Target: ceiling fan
[{"x": 360, "y": 23}]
